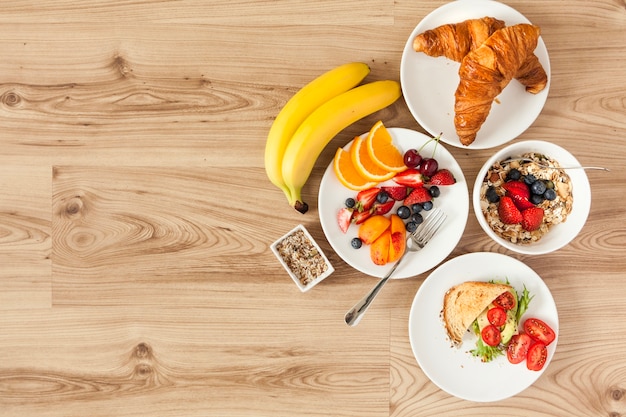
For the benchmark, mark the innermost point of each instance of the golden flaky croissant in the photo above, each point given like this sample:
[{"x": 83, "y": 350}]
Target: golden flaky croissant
[
  {"x": 485, "y": 71},
  {"x": 456, "y": 40}
]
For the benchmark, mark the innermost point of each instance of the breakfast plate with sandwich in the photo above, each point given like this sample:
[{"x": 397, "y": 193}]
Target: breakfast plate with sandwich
[{"x": 483, "y": 327}]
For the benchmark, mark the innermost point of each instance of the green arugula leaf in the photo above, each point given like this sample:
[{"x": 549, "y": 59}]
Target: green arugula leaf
[
  {"x": 522, "y": 304},
  {"x": 485, "y": 352}
]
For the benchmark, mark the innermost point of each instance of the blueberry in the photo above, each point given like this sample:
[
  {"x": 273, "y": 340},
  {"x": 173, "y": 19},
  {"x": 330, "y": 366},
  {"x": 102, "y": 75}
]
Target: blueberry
[
  {"x": 529, "y": 179},
  {"x": 492, "y": 195},
  {"x": 434, "y": 191},
  {"x": 513, "y": 175},
  {"x": 411, "y": 227},
  {"x": 382, "y": 197},
  {"x": 416, "y": 208},
  {"x": 356, "y": 243},
  {"x": 538, "y": 187},
  {"x": 427, "y": 205},
  {"x": 417, "y": 218},
  {"x": 550, "y": 194},
  {"x": 536, "y": 198},
  {"x": 350, "y": 202},
  {"x": 403, "y": 212}
]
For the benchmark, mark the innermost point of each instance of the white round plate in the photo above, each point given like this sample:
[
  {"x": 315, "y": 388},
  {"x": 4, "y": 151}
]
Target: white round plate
[
  {"x": 560, "y": 234},
  {"x": 455, "y": 370},
  {"x": 454, "y": 201},
  {"x": 428, "y": 83}
]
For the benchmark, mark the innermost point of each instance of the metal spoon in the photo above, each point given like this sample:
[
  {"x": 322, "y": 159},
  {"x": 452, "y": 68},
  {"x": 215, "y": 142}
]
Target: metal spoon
[{"x": 548, "y": 166}]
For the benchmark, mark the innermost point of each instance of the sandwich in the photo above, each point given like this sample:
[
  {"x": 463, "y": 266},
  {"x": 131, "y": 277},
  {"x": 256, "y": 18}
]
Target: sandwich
[{"x": 464, "y": 303}]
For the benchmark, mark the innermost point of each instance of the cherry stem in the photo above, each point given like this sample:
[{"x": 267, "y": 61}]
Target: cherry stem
[{"x": 436, "y": 143}]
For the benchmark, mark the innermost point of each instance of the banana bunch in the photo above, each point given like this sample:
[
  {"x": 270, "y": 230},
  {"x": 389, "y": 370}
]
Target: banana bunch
[{"x": 313, "y": 117}]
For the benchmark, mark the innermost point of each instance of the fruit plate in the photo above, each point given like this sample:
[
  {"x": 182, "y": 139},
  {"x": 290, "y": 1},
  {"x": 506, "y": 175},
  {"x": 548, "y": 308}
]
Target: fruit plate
[
  {"x": 454, "y": 201},
  {"x": 559, "y": 235},
  {"x": 428, "y": 83},
  {"x": 455, "y": 370}
]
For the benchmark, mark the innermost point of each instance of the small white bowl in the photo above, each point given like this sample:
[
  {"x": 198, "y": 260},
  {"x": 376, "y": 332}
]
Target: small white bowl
[
  {"x": 307, "y": 236},
  {"x": 560, "y": 234}
]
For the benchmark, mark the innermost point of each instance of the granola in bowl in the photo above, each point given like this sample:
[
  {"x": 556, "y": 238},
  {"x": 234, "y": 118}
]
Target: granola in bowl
[
  {"x": 556, "y": 204},
  {"x": 302, "y": 258}
]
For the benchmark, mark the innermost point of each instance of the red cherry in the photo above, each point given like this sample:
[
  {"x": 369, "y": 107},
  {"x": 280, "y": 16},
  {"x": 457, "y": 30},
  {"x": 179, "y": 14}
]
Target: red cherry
[
  {"x": 412, "y": 158},
  {"x": 429, "y": 166}
]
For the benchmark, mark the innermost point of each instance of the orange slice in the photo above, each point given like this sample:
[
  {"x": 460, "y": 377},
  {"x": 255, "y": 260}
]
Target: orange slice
[
  {"x": 364, "y": 164},
  {"x": 347, "y": 174},
  {"x": 382, "y": 151}
]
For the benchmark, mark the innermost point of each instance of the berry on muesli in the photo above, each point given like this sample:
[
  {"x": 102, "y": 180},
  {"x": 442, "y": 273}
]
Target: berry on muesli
[{"x": 521, "y": 201}]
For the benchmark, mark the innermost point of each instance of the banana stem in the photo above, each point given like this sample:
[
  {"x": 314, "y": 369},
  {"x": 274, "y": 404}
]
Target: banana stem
[{"x": 296, "y": 201}]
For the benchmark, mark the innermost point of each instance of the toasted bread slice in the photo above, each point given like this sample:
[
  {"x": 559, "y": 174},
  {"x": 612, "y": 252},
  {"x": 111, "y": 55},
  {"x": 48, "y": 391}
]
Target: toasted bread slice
[{"x": 464, "y": 302}]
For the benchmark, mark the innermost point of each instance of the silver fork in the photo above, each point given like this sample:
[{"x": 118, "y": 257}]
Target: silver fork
[{"x": 414, "y": 242}]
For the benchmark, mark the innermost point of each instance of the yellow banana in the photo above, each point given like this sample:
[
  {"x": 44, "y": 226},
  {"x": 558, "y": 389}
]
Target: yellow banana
[
  {"x": 299, "y": 107},
  {"x": 317, "y": 130}
]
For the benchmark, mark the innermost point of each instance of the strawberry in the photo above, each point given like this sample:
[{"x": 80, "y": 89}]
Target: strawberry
[
  {"x": 418, "y": 195},
  {"x": 383, "y": 208},
  {"x": 442, "y": 177},
  {"x": 398, "y": 193},
  {"x": 509, "y": 213},
  {"x": 517, "y": 188},
  {"x": 344, "y": 217},
  {"x": 359, "y": 217},
  {"x": 532, "y": 218},
  {"x": 519, "y": 193},
  {"x": 365, "y": 199},
  {"x": 409, "y": 177}
]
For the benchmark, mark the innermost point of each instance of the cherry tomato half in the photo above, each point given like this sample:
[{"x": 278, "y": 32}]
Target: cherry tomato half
[
  {"x": 491, "y": 335},
  {"x": 496, "y": 316},
  {"x": 537, "y": 356},
  {"x": 539, "y": 331},
  {"x": 506, "y": 300},
  {"x": 518, "y": 347}
]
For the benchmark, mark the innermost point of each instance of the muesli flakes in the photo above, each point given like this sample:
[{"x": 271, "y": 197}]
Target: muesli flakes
[
  {"x": 302, "y": 257},
  {"x": 555, "y": 211}
]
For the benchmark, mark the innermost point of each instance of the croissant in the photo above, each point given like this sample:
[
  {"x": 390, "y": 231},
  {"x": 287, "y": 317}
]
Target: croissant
[
  {"x": 456, "y": 40},
  {"x": 485, "y": 71}
]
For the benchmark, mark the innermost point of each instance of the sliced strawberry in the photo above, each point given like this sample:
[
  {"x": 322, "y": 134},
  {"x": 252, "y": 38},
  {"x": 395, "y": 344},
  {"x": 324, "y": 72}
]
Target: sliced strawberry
[
  {"x": 365, "y": 199},
  {"x": 418, "y": 195},
  {"x": 532, "y": 218},
  {"x": 398, "y": 193},
  {"x": 409, "y": 177},
  {"x": 383, "y": 208},
  {"x": 344, "y": 217},
  {"x": 359, "y": 217},
  {"x": 517, "y": 187},
  {"x": 508, "y": 211},
  {"x": 522, "y": 203},
  {"x": 442, "y": 177},
  {"x": 520, "y": 193}
]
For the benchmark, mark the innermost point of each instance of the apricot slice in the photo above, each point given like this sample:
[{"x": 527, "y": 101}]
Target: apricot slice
[
  {"x": 372, "y": 228},
  {"x": 397, "y": 244},
  {"x": 379, "y": 249}
]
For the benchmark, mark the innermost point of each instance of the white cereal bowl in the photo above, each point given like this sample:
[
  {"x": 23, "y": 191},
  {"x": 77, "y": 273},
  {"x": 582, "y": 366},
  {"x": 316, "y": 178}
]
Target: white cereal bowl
[
  {"x": 294, "y": 277},
  {"x": 560, "y": 234}
]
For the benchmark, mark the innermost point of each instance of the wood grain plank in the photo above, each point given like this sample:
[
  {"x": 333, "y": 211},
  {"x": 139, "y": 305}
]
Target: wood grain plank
[
  {"x": 25, "y": 237},
  {"x": 191, "y": 361},
  {"x": 217, "y": 12}
]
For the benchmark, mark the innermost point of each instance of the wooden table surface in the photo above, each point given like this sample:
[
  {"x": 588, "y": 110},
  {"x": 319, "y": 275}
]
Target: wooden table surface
[{"x": 136, "y": 218}]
